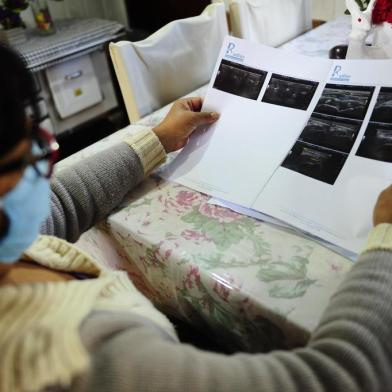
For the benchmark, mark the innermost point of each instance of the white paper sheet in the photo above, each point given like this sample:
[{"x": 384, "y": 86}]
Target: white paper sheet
[
  {"x": 341, "y": 212},
  {"x": 309, "y": 115},
  {"x": 238, "y": 155}
]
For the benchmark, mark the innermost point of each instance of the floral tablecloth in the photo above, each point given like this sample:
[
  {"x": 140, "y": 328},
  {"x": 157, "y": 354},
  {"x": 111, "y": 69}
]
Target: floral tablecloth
[{"x": 253, "y": 286}]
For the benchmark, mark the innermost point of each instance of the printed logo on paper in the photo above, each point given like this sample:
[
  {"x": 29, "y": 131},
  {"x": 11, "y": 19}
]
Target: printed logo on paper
[
  {"x": 339, "y": 76},
  {"x": 232, "y": 55}
]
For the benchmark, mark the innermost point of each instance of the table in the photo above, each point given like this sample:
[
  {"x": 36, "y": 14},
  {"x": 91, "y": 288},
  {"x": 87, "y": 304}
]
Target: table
[
  {"x": 318, "y": 42},
  {"x": 73, "y": 38},
  {"x": 252, "y": 285}
]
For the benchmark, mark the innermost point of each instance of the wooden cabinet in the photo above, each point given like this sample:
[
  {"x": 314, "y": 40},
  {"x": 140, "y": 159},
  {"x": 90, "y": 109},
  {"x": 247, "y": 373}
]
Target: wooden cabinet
[{"x": 152, "y": 15}]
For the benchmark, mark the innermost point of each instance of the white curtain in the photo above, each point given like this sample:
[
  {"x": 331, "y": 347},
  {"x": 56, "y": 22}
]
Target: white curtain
[{"x": 105, "y": 9}]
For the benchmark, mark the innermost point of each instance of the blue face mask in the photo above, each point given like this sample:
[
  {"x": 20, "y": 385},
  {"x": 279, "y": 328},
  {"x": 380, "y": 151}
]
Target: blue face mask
[{"x": 26, "y": 207}]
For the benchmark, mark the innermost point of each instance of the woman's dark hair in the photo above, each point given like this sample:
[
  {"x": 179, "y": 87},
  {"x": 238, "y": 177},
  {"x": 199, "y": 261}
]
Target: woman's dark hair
[{"x": 17, "y": 91}]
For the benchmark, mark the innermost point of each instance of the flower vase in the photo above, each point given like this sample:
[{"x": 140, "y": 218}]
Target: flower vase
[
  {"x": 12, "y": 37},
  {"x": 42, "y": 17}
]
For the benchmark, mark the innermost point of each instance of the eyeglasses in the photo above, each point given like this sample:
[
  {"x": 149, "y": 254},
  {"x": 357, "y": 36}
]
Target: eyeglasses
[{"x": 48, "y": 152}]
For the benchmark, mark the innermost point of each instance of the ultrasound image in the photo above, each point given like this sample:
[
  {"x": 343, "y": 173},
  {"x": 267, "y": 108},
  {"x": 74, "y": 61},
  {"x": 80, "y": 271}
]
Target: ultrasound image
[
  {"x": 331, "y": 132},
  {"x": 377, "y": 142},
  {"x": 290, "y": 92},
  {"x": 345, "y": 101},
  {"x": 316, "y": 162},
  {"x": 383, "y": 110},
  {"x": 239, "y": 80}
]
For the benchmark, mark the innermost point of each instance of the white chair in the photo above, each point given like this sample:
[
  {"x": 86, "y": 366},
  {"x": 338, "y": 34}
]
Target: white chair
[
  {"x": 172, "y": 62},
  {"x": 270, "y": 22}
]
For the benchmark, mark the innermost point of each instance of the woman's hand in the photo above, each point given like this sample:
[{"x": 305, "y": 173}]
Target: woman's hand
[
  {"x": 184, "y": 117},
  {"x": 383, "y": 210}
]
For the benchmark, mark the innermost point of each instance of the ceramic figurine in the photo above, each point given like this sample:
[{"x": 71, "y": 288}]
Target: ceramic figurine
[{"x": 364, "y": 31}]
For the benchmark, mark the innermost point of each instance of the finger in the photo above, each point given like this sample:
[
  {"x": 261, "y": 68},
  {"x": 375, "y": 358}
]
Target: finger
[
  {"x": 194, "y": 103},
  {"x": 388, "y": 189},
  {"x": 204, "y": 118}
]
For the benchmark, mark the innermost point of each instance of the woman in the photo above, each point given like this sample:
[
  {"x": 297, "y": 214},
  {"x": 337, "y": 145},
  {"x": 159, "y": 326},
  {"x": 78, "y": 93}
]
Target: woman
[{"x": 99, "y": 334}]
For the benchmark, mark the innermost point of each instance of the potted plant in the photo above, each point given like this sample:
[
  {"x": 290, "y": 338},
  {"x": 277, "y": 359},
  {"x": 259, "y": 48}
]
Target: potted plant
[{"x": 12, "y": 32}]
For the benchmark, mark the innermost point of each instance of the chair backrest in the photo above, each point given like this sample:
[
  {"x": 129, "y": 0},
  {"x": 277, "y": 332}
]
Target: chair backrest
[
  {"x": 226, "y": 2},
  {"x": 172, "y": 62},
  {"x": 270, "y": 22}
]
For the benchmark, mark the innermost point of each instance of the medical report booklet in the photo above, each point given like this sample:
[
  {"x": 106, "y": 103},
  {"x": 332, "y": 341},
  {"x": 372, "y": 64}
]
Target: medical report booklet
[{"x": 305, "y": 140}]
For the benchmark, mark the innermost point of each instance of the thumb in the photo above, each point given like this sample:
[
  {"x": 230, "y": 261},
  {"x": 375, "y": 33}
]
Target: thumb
[{"x": 204, "y": 118}]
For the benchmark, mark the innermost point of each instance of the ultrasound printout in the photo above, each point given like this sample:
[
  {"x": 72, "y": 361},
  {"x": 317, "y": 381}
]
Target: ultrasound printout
[
  {"x": 345, "y": 101},
  {"x": 239, "y": 80},
  {"x": 290, "y": 92},
  {"x": 306, "y": 141}
]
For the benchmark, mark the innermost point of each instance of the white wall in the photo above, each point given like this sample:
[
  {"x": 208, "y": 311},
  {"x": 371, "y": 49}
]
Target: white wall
[
  {"x": 328, "y": 9},
  {"x": 107, "y": 9}
]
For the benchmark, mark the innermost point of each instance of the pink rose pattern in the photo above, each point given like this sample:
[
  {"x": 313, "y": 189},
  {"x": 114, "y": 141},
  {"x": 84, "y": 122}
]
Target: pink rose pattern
[
  {"x": 192, "y": 278},
  {"x": 182, "y": 202},
  {"x": 223, "y": 215},
  {"x": 224, "y": 286},
  {"x": 195, "y": 236},
  {"x": 188, "y": 198}
]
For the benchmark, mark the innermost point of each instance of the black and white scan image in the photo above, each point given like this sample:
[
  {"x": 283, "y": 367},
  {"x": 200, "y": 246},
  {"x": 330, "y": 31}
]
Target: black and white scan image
[
  {"x": 316, "y": 162},
  {"x": 239, "y": 80},
  {"x": 383, "y": 109},
  {"x": 331, "y": 132},
  {"x": 345, "y": 101},
  {"x": 377, "y": 142},
  {"x": 290, "y": 92}
]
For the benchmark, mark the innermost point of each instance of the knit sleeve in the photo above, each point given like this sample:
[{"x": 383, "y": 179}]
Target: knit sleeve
[
  {"x": 350, "y": 351},
  {"x": 148, "y": 148},
  {"x": 87, "y": 192}
]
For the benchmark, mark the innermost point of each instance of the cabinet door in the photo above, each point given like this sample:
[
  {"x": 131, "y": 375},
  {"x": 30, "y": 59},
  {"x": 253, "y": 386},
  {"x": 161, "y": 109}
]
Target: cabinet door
[
  {"x": 153, "y": 15},
  {"x": 327, "y": 10}
]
